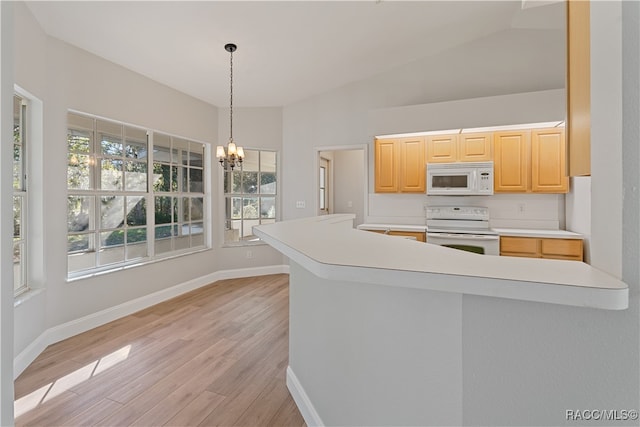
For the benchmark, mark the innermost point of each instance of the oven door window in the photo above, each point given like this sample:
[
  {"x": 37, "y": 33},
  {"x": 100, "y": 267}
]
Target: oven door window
[
  {"x": 450, "y": 181},
  {"x": 468, "y": 248}
]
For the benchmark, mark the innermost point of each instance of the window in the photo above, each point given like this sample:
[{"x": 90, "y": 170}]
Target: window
[
  {"x": 178, "y": 192},
  {"x": 250, "y": 195},
  {"x": 115, "y": 217},
  {"x": 19, "y": 195}
]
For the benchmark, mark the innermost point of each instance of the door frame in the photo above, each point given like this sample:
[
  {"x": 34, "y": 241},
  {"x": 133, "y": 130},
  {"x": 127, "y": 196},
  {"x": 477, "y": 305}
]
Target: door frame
[
  {"x": 316, "y": 168},
  {"x": 328, "y": 181}
]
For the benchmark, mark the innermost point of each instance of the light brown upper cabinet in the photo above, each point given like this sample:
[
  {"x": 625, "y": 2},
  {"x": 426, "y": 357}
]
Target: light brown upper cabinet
[
  {"x": 511, "y": 161},
  {"x": 548, "y": 161},
  {"x": 400, "y": 165},
  {"x": 466, "y": 147},
  {"x": 578, "y": 87},
  {"x": 442, "y": 148},
  {"x": 386, "y": 166},
  {"x": 475, "y": 147},
  {"x": 530, "y": 161}
]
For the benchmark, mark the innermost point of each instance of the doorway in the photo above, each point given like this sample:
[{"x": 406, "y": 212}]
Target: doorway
[
  {"x": 325, "y": 195},
  {"x": 341, "y": 181}
]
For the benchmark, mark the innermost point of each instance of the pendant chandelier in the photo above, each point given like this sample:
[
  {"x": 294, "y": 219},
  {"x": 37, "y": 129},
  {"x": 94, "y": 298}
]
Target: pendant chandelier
[{"x": 233, "y": 155}]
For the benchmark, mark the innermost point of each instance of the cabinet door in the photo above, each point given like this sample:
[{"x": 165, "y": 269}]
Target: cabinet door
[
  {"x": 520, "y": 246},
  {"x": 511, "y": 161},
  {"x": 475, "y": 147},
  {"x": 412, "y": 165},
  {"x": 442, "y": 148},
  {"x": 386, "y": 169},
  {"x": 548, "y": 161}
]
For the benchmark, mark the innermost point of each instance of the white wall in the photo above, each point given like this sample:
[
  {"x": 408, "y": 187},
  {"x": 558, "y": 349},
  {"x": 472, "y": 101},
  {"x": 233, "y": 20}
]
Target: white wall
[
  {"x": 65, "y": 77},
  {"x": 606, "y": 136}
]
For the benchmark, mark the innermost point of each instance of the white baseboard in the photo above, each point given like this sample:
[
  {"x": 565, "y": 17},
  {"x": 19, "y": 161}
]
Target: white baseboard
[
  {"x": 29, "y": 354},
  {"x": 308, "y": 411},
  {"x": 83, "y": 324}
]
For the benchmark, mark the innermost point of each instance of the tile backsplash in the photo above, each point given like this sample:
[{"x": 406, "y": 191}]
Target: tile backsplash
[{"x": 538, "y": 211}]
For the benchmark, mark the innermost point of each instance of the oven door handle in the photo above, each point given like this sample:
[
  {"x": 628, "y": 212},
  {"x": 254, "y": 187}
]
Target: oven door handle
[{"x": 463, "y": 236}]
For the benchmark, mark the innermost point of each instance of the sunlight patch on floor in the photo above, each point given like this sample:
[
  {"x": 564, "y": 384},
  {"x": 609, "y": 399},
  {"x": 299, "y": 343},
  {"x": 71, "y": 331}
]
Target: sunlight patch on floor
[{"x": 59, "y": 386}]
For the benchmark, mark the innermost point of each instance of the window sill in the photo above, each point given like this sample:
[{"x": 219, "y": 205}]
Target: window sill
[
  {"x": 26, "y": 296},
  {"x": 244, "y": 243},
  {"x": 142, "y": 262}
]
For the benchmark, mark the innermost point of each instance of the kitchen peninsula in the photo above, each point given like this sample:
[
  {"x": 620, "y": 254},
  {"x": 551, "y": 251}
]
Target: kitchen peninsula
[{"x": 376, "y": 323}]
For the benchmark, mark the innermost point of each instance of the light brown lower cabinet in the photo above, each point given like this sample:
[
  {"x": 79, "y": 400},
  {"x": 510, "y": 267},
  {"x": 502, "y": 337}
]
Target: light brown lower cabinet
[
  {"x": 419, "y": 235},
  {"x": 535, "y": 247}
]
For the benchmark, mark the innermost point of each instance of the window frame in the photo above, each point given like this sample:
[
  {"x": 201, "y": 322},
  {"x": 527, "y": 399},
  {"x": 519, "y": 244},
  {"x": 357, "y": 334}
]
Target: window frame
[
  {"x": 132, "y": 253},
  {"x": 227, "y": 205},
  {"x": 20, "y": 192}
]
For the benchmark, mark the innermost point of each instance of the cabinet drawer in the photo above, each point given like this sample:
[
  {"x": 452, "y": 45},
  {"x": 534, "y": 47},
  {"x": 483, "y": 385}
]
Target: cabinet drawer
[
  {"x": 520, "y": 246},
  {"x": 562, "y": 248},
  {"x": 419, "y": 235}
]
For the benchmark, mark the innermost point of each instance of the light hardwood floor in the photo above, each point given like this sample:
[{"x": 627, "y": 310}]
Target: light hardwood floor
[{"x": 214, "y": 356}]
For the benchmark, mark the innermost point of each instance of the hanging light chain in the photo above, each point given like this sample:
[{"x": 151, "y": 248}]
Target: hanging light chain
[{"x": 231, "y": 95}]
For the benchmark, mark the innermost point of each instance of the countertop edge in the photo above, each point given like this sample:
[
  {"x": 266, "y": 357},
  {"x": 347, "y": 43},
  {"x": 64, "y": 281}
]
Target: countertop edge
[
  {"x": 555, "y": 293},
  {"x": 544, "y": 234},
  {"x": 502, "y": 231}
]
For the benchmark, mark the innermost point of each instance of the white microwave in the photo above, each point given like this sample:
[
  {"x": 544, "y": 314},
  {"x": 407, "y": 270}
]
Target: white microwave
[{"x": 460, "y": 179}]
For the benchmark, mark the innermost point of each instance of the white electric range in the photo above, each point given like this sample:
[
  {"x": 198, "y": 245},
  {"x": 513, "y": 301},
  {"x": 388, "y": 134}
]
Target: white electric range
[{"x": 462, "y": 227}]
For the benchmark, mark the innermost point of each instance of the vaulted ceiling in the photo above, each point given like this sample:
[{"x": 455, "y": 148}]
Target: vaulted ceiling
[{"x": 291, "y": 50}]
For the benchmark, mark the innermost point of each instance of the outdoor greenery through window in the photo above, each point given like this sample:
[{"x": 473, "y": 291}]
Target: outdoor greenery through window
[
  {"x": 250, "y": 195},
  {"x": 19, "y": 196},
  {"x": 133, "y": 194}
]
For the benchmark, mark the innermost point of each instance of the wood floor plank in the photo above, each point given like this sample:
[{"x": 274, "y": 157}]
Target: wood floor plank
[
  {"x": 213, "y": 356},
  {"x": 264, "y": 408},
  {"x": 184, "y": 394},
  {"x": 141, "y": 362},
  {"x": 47, "y": 409},
  {"x": 47, "y": 374},
  {"x": 77, "y": 344},
  {"x": 93, "y": 414},
  {"x": 197, "y": 410},
  {"x": 125, "y": 392},
  {"x": 287, "y": 415},
  {"x": 233, "y": 406}
]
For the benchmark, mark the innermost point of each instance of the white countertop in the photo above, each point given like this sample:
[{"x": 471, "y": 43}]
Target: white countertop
[
  {"x": 526, "y": 232},
  {"x": 331, "y": 248},
  {"x": 516, "y": 232}
]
